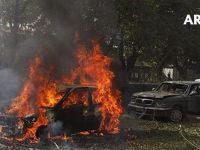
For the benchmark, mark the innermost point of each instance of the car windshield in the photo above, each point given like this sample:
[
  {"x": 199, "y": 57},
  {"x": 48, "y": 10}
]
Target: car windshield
[
  {"x": 173, "y": 88},
  {"x": 79, "y": 96}
]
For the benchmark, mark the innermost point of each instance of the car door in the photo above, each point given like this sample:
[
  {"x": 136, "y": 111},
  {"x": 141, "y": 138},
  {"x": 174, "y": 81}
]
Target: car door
[{"x": 193, "y": 105}]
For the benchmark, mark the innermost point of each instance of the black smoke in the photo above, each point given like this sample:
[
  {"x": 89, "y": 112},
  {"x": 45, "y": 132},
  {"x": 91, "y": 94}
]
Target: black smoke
[{"x": 54, "y": 38}]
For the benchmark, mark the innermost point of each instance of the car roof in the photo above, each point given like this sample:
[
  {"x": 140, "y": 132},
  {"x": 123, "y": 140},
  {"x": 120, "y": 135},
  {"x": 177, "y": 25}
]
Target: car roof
[
  {"x": 64, "y": 87},
  {"x": 183, "y": 82}
]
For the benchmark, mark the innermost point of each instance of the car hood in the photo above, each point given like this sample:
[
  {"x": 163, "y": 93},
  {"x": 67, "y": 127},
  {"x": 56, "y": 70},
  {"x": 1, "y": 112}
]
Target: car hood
[{"x": 155, "y": 94}]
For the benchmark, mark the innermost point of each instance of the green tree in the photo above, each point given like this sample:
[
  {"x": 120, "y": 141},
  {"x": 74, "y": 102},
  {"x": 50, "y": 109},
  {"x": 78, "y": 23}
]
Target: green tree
[
  {"x": 153, "y": 30},
  {"x": 19, "y": 19},
  {"x": 137, "y": 24}
]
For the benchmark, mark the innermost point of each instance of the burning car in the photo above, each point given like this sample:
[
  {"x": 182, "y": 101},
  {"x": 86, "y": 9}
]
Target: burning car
[
  {"x": 83, "y": 115},
  {"x": 75, "y": 108},
  {"x": 172, "y": 99}
]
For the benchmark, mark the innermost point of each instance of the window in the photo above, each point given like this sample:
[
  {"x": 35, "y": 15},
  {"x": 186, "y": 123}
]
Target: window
[
  {"x": 136, "y": 75},
  {"x": 173, "y": 88},
  {"x": 146, "y": 75},
  {"x": 195, "y": 90}
]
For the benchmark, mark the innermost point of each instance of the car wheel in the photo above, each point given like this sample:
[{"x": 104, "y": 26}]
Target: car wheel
[{"x": 176, "y": 115}]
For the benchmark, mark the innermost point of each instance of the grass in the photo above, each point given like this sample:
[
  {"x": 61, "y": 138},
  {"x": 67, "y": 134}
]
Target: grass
[
  {"x": 143, "y": 135},
  {"x": 160, "y": 136},
  {"x": 165, "y": 135}
]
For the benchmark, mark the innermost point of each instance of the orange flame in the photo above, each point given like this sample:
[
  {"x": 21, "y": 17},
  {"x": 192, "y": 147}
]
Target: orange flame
[
  {"x": 93, "y": 69},
  {"x": 37, "y": 92},
  {"x": 37, "y": 88}
]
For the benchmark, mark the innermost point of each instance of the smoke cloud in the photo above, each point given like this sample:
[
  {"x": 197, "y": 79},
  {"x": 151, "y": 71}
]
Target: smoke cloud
[
  {"x": 54, "y": 41},
  {"x": 55, "y": 128},
  {"x": 10, "y": 83}
]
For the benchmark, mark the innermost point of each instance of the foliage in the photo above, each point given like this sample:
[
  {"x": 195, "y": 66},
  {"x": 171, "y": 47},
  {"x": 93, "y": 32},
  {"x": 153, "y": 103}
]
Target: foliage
[
  {"x": 133, "y": 30},
  {"x": 163, "y": 40}
]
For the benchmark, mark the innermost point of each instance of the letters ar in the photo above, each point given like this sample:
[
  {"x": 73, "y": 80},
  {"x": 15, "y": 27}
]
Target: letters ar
[{"x": 195, "y": 20}]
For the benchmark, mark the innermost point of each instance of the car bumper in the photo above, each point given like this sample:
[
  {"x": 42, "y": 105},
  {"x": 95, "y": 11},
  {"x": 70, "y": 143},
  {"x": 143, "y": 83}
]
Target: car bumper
[{"x": 151, "y": 111}]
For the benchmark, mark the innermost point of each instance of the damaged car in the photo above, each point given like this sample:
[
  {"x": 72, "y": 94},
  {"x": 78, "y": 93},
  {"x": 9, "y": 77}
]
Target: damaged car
[
  {"x": 171, "y": 99},
  {"x": 82, "y": 115}
]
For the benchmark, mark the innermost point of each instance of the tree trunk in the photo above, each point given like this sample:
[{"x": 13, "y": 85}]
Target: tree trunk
[
  {"x": 14, "y": 32},
  {"x": 182, "y": 70}
]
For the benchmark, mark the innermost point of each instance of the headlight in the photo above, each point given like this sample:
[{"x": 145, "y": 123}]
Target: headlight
[
  {"x": 160, "y": 105},
  {"x": 133, "y": 98},
  {"x": 133, "y": 101}
]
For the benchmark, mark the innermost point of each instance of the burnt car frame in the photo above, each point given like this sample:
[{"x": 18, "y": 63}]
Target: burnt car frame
[
  {"x": 74, "y": 118},
  {"x": 171, "y": 99}
]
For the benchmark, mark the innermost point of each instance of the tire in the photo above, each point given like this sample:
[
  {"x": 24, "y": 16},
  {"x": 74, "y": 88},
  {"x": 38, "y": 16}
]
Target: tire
[{"x": 176, "y": 115}]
